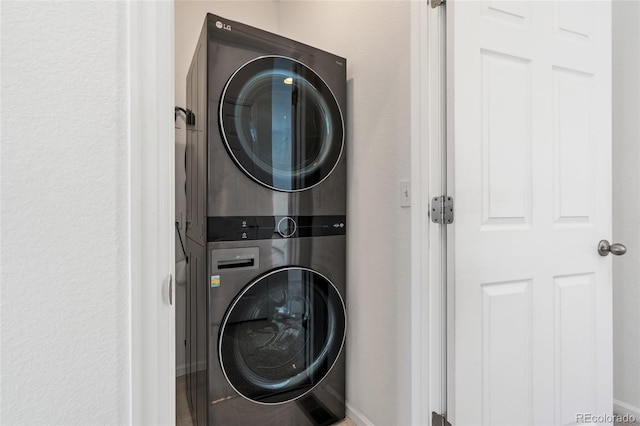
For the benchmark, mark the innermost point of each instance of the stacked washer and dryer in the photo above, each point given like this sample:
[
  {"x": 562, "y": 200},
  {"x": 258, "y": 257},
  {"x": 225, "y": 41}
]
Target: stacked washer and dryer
[{"x": 266, "y": 230}]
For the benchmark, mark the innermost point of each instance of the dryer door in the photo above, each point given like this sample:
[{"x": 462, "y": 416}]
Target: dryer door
[
  {"x": 282, "y": 335},
  {"x": 281, "y": 123}
]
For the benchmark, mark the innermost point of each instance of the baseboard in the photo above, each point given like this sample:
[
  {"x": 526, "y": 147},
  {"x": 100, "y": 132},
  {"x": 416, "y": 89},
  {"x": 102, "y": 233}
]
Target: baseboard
[
  {"x": 622, "y": 408},
  {"x": 181, "y": 370},
  {"x": 357, "y": 417}
]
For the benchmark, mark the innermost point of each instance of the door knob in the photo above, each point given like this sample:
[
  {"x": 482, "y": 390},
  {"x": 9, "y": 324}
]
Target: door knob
[{"x": 604, "y": 248}]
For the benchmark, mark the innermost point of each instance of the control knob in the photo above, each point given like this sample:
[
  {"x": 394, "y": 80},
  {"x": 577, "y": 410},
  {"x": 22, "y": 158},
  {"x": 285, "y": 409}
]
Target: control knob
[{"x": 287, "y": 227}]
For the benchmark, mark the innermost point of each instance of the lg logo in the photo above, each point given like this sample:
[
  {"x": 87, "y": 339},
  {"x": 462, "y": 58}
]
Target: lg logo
[{"x": 222, "y": 26}]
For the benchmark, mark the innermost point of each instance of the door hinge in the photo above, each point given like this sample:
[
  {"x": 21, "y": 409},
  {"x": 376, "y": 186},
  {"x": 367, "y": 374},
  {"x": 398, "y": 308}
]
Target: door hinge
[
  {"x": 442, "y": 209},
  {"x": 439, "y": 420},
  {"x": 436, "y": 3}
]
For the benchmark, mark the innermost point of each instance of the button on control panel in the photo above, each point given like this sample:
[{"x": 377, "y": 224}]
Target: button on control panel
[{"x": 287, "y": 227}]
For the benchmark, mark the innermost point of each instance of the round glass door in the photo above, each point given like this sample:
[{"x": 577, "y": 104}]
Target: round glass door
[
  {"x": 281, "y": 123},
  {"x": 282, "y": 335}
]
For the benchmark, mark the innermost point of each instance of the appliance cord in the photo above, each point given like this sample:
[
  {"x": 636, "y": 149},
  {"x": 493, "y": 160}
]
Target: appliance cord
[{"x": 181, "y": 243}]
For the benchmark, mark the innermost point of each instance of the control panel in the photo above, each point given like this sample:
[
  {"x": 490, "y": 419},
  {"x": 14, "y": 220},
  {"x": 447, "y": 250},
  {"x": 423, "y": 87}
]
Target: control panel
[{"x": 239, "y": 228}]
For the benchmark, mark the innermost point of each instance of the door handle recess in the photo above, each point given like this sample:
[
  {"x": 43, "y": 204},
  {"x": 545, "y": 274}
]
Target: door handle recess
[{"x": 604, "y": 248}]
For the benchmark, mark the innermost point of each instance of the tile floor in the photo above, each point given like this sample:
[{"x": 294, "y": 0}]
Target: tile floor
[{"x": 183, "y": 417}]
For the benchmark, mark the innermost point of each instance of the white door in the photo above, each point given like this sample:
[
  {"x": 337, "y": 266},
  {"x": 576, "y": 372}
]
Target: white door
[{"x": 530, "y": 147}]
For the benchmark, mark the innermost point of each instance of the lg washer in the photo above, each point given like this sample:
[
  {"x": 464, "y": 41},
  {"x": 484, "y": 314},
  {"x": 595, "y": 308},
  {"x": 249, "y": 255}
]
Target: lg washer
[{"x": 278, "y": 313}]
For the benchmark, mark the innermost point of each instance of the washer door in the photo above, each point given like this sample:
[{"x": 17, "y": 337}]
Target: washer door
[
  {"x": 281, "y": 123},
  {"x": 282, "y": 335}
]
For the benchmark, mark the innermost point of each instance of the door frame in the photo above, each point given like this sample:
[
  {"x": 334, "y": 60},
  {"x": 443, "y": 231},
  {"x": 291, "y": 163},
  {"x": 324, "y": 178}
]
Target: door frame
[
  {"x": 428, "y": 240},
  {"x": 151, "y": 190}
]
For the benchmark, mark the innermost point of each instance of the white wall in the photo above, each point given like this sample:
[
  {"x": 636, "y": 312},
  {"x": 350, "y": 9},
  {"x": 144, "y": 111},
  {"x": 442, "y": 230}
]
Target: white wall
[
  {"x": 374, "y": 36},
  {"x": 65, "y": 279},
  {"x": 626, "y": 198}
]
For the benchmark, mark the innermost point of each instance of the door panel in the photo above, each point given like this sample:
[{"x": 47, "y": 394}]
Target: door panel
[
  {"x": 529, "y": 139},
  {"x": 189, "y": 166},
  {"x": 196, "y": 316},
  {"x": 281, "y": 123},
  {"x": 507, "y": 348},
  {"x": 197, "y": 148},
  {"x": 200, "y": 198},
  {"x": 574, "y": 155},
  {"x": 574, "y": 336},
  {"x": 282, "y": 335},
  {"x": 506, "y": 141}
]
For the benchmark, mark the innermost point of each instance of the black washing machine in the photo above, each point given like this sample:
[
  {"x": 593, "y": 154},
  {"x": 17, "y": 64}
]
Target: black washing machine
[
  {"x": 266, "y": 229},
  {"x": 277, "y": 309}
]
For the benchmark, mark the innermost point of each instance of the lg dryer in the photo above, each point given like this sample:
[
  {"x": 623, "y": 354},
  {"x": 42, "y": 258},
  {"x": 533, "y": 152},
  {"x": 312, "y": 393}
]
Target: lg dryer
[{"x": 269, "y": 132}]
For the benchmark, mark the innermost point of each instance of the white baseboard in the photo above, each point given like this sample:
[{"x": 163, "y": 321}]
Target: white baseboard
[
  {"x": 357, "y": 417},
  {"x": 181, "y": 370},
  {"x": 622, "y": 408}
]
